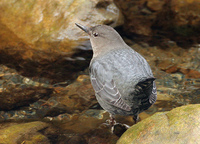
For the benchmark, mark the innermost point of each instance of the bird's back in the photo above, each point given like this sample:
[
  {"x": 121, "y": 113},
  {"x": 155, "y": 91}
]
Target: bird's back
[{"x": 131, "y": 75}]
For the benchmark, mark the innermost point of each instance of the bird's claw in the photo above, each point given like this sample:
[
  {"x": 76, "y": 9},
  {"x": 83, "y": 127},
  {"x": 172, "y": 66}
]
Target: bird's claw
[{"x": 111, "y": 122}]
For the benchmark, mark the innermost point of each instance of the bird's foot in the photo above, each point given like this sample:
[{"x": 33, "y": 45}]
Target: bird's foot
[
  {"x": 109, "y": 123},
  {"x": 118, "y": 129}
]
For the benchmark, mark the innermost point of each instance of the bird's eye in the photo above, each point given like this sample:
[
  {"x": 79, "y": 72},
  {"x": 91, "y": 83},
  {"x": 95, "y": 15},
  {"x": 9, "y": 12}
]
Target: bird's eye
[{"x": 95, "y": 34}]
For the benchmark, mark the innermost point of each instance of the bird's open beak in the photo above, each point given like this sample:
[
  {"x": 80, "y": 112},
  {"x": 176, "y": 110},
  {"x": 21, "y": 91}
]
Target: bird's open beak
[{"x": 84, "y": 28}]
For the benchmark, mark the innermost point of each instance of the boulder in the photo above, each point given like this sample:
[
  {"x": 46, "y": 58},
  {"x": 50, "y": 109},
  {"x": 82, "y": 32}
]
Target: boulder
[
  {"x": 14, "y": 133},
  {"x": 49, "y": 25},
  {"x": 180, "y": 125},
  {"x": 176, "y": 19},
  {"x": 39, "y": 38}
]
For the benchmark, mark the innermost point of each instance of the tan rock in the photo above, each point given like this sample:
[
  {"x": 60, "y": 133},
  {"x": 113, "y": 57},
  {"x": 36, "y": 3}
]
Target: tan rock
[
  {"x": 180, "y": 125},
  {"x": 23, "y": 133},
  {"x": 49, "y": 25},
  {"x": 40, "y": 37}
]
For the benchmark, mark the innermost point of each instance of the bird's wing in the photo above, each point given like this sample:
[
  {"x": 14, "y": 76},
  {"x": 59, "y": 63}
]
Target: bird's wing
[
  {"x": 104, "y": 85},
  {"x": 146, "y": 91},
  {"x": 153, "y": 96}
]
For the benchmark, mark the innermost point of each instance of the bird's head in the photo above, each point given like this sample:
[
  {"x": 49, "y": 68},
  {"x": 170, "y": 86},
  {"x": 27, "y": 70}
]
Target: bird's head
[{"x": 103, "y": 38}]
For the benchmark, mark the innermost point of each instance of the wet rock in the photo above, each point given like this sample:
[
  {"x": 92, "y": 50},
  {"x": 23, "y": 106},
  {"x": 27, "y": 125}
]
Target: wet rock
[
  {"x": 17, "y": 91},
  {"x": 35, "y": 111},
  {"x": 180, "y": 125},
  {"x": 84, "y": 127},
  {"x": 87, "y": 121},
  {"x": 98, "y": 136},
  {"x": 76, "y": 140},
  {"x": 78, "y": 95},
  {"x": 23, "y": 133},
  {"x": 185, "y": 62},
  {"x": 63, "y": 104},
  {"x": 139, "y": 15},
  {"x": 176, "y": 19},
  {"x": 52, "y": 66},
  {"x": 40, "y": 39},
  {"x": 173, "y": 60},
  {"x": 22, "y": 97}
]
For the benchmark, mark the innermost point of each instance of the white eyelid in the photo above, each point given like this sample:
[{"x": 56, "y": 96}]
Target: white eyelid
[{"x": 95, "y": 34}]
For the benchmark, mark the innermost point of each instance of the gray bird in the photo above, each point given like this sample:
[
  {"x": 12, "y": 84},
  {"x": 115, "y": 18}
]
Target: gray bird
[{"x": 121, "y": 77}]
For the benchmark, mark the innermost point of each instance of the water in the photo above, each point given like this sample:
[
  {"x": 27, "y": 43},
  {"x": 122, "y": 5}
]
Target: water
[{"x": 60, "y": 93}]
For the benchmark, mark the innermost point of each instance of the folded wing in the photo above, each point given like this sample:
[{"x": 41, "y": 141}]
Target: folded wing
[{"x": 104, "y": 85}]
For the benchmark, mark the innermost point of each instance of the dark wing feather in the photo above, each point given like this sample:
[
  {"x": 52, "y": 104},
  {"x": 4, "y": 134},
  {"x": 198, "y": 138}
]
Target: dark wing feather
[
  {"x": 105, "y": 87},
  {"x": 145, "y": 91},
  {"x": 153, "y": 96}
]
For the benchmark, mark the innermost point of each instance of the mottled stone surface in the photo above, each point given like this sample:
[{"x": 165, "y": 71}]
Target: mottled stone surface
[
  {"x": 175, "y": 19},
  {"x": 14, "y": 133},
  {"x": 139, "y": 15},
  {"x": 39, "y": 38},
  {"x": 49, "y": 25},
  {"x": 180, "y": 125},
  {"x": 18, "y": 91}
]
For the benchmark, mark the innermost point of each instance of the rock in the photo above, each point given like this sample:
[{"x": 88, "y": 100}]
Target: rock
[
  {"x": 39, "y": 38},
  {"x": 175, "y": 19},
  {"x": 35, "y": 111},
  {"x": 64, "y": 103},
  {"x": 186, "y": 18},
  {"x": 139, "y": 15},
  {"x": 77, "y": 96},
  {"x": 23, "y": 133},
  {"x": 86, "y": 121},
  {"x": 50, "y": 25},
  {"x": 101, "y": 136},
  {"x": 17, "y": 91},
  {"x": 180, "y": 125}
]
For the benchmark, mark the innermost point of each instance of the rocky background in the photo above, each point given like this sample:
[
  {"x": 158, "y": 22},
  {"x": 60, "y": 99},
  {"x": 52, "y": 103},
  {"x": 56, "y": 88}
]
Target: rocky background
[{"x": 45, "y": 91}]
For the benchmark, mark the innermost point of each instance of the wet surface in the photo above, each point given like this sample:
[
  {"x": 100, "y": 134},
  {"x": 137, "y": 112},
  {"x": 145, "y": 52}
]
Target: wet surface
[
  {"x": 54, "y": 67},
  {"x": 68, "y": 103}
]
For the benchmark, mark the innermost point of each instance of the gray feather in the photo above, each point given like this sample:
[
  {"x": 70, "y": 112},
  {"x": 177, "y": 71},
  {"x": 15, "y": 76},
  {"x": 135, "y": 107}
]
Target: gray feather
[{"x": 106, "y": 88}]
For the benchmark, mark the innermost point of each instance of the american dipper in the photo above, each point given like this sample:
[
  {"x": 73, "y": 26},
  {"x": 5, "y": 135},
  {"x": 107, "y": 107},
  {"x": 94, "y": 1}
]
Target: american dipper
[{"x": 121, "y": 77}]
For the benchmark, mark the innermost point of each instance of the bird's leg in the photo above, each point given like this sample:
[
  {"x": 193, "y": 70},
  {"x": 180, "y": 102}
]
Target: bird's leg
[
  {"x": 136, "y": 118},
  {"x": 111, "y": 121}
]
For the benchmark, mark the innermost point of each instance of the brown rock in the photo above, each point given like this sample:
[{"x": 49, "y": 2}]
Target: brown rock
[
  {"x": 187, "y": 12},
  {"x": 17, "y": 91},
  {"x": 190, "y": 73},
  {"x": 49, "y": 25},
  {"x": 22, "y": 97},
  {"x": 155, "y": 5},
  {"x": 23, "y": 133},
  {"x": 172, "y": 69},
  {"x": 139, "y": 15},
  {"x": 40, "y": 37},
  {"x": 78, "y": 95},
  {"x": 176, "y": 19}
]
